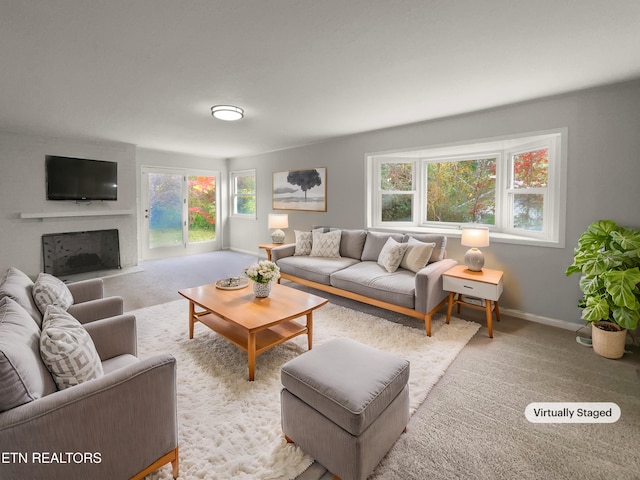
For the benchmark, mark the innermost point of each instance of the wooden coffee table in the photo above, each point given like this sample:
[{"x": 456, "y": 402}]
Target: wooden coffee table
[{"x": 253, "y": 324}]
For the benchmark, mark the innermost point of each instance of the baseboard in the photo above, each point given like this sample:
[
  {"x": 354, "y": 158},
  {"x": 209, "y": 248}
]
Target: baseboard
[
  {"x": 261, "y": 254},
  {"x": 554, "y": 322}
]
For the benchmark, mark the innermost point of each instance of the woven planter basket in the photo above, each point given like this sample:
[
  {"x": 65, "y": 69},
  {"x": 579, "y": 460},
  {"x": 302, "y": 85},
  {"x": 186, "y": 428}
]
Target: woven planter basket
[{"x": 608, "y": 344}]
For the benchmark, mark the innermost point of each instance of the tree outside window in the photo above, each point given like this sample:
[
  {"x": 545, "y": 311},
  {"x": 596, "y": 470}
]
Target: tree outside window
[{"x": 243, "y": 188}]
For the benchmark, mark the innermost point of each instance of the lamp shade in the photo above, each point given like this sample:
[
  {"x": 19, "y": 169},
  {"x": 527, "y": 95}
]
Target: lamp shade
[
  {"x": 475, "y": 237},
  {"x": 278, "y": 220}
]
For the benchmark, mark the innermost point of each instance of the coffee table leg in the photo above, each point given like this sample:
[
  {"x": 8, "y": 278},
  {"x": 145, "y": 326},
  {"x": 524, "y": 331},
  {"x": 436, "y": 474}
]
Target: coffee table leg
[
  {"x": 310, "y": 329},
  {"x": 192, "y": 312},
  {"x": 251, "y": 353}
]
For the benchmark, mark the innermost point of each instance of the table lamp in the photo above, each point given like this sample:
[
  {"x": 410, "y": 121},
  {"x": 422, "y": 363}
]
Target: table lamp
[
  {"x": 278, "y": 221},
  {"x": 474, "y": 237}
]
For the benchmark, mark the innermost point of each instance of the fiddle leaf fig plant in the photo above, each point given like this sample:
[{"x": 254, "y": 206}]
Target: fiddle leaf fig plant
[{"x": 608, "y": 257}]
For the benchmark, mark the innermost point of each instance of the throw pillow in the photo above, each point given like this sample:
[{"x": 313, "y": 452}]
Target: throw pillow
[
  {"x": 417, "y": 255},
  {"x": 304, "y": 241},
  {"x": 19, "y": 287},
  {"x": 391, "y": 255},
  {"x": 23, "y": 375},
  {"x": 67, "y": 349},
  {"x": 49, "y": 290},
  {"x": 326, "y": 244}
]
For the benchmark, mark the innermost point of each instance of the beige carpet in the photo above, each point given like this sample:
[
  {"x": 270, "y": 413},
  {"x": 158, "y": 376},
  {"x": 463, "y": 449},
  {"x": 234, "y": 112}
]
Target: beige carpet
[{"x": 229, "y": 428}]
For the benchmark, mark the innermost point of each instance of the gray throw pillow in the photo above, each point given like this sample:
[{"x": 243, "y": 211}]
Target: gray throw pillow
[
  {"x": 417, "y": 255},
  {"x": 67, "y": 349},
  {"x": 23, "y": 376},
  {"x": 49, "y": 290},
  {"x": 326, "y": 244},
  {"x": 304, "y": 240},
  {"x": 391, "y": 255},
  {"x": 19, "y": 287}
]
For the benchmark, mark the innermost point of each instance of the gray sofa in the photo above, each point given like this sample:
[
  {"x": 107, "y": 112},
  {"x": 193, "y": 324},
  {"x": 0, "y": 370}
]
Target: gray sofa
[
  {"x": 120, "y": 425},
  {"x": 356, "y": 273}
]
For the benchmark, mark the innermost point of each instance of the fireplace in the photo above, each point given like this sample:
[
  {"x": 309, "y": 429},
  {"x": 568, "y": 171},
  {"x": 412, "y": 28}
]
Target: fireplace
[{"x": 79, "y": 252}]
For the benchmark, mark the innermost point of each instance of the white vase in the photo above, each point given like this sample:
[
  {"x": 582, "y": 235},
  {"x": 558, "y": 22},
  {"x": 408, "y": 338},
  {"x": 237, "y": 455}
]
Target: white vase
[{"x": 261, "y": 290}]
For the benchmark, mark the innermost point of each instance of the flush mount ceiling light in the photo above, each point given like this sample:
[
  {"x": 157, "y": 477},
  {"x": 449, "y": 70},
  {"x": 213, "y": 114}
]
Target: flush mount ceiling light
[{"x": 227, "y": 112}]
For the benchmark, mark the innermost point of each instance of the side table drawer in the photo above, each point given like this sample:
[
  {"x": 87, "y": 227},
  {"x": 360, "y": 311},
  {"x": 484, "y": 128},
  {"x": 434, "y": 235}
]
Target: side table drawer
[{"x": 484, "y": 290}]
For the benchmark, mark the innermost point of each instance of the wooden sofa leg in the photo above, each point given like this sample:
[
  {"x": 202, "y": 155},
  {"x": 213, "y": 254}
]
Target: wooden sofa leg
[
  {"x": 175, "y": 465},
  {"x": 427, "y": 323},
  {"x": 288, "y": 439}
]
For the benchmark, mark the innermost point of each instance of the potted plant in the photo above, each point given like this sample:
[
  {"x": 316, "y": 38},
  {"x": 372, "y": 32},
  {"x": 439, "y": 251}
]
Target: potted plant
[
  {"x": 262, "y": 273},
  {"x": 608, "y": 257}
]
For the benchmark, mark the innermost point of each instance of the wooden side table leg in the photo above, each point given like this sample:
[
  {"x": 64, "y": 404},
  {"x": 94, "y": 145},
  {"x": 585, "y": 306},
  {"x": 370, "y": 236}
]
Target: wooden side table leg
[
  {"x": 251, "y": 353},
  {"x": 192, "y": 313},
  {"x": 310, "y": 329},
  {"x": 489, "y": 318},
  {"x": 497, "y": 309},
  {"x": 450, "y": 306}
]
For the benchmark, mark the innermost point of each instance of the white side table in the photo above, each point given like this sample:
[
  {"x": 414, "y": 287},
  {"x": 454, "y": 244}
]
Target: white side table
[{"x": 485, "y": 285}]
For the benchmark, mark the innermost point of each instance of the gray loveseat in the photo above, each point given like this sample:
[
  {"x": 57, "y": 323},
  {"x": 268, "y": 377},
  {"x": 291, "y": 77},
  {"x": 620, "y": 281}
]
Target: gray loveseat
[
  {"x": 118, "y": 426},
  {"x": 357, "y": 274}
]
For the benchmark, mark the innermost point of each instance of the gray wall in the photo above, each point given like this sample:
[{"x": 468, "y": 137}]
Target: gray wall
[
  {"x": 22, "y": 190},
  {"x": 603, "y": 174}
]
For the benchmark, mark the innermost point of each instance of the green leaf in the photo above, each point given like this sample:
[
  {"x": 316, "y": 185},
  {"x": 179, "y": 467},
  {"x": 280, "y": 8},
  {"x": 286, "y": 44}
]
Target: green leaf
[
  {"x": 627, "y": 239},
  {"x": 591, "y": 284},
  {"x": 596, "y": 309},
  {"x": 626, "y": 317},
  {"x": 622, "y": 286}
]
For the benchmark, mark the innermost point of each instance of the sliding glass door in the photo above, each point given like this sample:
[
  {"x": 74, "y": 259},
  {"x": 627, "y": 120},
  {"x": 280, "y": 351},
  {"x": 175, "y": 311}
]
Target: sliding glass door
[{"x": 180, "y": 212}]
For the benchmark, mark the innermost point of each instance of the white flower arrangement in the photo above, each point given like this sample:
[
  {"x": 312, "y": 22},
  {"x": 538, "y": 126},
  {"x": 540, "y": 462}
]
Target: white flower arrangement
[{"x": 264, "y": 271}]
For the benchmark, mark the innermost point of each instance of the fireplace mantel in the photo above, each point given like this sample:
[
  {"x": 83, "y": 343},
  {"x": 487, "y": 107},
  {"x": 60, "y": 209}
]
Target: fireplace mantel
[{"x": 42, "y": 215}]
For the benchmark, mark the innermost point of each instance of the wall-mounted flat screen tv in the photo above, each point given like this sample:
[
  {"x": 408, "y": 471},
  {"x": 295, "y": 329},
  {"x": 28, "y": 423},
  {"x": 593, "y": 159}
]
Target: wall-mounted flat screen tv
[{"x": 81, "y": 179}]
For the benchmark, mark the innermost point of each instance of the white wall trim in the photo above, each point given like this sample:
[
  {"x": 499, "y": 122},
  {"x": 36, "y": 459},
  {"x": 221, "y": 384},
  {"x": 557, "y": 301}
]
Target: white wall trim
[{"x": 554, "y": 322}]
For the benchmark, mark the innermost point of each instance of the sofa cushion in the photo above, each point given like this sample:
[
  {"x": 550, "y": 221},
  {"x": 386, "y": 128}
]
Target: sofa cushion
[
  {"x": 315, "y": 269},
  {"x": 440, "y": 241},
  {"x": 417, "y": 255},
  {"x": 372, "y": 280},
  {"x": 49, "y": 290},
  {"x": 391, "y": 254},
  {"x": 19, "y": 287},
  {"x": 326, "y": 244},
  {"x": 67, "y": 349},
  {"x": 304, "y": 240},
  {"x": 352, "y": 243},
  {"x": 374, "y": 243},
  {"x": 23, "y": 375}
]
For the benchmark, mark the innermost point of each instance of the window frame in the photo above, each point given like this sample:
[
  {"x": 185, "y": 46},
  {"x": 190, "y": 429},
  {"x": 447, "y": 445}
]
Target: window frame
[
  {"x": 503, "y": 149},
  {"x": 233, "y": 193}
]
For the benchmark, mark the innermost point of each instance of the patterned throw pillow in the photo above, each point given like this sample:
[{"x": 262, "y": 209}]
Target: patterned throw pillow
[
  {"x": 391, "y": 255},
  {"x": 326, "y": 244},
  {"x": 417, "y": 255},
  {"x": 49, "y": 290},
  {"x": 304, "y": 241},
  {"x": 67, "y": 349}
]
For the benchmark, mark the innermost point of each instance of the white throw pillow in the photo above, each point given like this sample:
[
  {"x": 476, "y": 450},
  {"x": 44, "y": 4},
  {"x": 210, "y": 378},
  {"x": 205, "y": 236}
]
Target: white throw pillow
[
  {"x": 391, "y": 255},
  {"x": 304, "y": 240},
  {"x": 67, "y": 350},
  {"x": 417, "y": 255},
  {"x": 49, "y": 290},
  {"x": 326, "y": 244}
]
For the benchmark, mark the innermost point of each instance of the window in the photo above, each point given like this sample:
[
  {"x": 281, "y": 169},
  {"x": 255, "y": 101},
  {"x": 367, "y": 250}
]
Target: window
[
  {"x": 243, "y": 193},
  {"x": 514, "y": 186}
]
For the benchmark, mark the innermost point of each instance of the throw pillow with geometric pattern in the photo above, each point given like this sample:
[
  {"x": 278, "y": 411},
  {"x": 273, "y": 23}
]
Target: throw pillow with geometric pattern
[
  {"x": 326, "y": 244},
  {"x": 49, "y": 290},
  {"x": 391, "y": 255},
  {"x": 67, "y": 349},
  {"x": 304, "y": 241}
]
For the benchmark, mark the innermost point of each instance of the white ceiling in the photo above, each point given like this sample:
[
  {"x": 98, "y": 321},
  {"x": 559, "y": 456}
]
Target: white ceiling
[{"x": 147, "y": 72}]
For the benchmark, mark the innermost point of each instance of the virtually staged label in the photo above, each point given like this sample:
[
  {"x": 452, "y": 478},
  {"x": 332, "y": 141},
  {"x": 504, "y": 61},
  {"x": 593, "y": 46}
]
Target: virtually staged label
[{"x": 572, "y": 412}]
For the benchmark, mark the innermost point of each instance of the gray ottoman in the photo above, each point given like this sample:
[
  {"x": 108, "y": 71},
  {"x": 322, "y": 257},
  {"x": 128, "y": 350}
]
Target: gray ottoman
[{"x": 345, "y": 404}]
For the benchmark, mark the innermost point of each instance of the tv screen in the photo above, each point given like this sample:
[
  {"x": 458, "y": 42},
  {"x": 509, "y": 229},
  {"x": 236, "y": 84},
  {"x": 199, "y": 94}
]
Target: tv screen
[{"x": 81, "y": 179}]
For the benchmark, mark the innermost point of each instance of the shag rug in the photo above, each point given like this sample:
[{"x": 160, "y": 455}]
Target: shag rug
[{"x": 229, "y": 428}]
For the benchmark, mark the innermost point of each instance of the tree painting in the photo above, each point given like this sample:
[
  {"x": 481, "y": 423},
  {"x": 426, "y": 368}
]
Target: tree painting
[{"x": 300, "y": 190}]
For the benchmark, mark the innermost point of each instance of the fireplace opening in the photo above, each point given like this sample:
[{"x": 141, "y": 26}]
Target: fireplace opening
[{"x": 79, "y": 252}]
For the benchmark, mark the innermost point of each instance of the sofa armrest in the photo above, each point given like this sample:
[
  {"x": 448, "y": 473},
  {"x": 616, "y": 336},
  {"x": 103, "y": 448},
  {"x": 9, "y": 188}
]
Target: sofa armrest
[
  {"x": 114, "y": 336},
  {"x": 97, "y": 309},
  {"x": 429, "y": 291},
  {"x": 282, "y": 251},
  {"x": 116, "y": 425},
  {"x": 86, "y": 290}
]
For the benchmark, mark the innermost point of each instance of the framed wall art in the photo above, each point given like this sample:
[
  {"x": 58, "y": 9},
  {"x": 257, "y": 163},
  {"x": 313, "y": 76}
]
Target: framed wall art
[{"x": 304, "y": 190}]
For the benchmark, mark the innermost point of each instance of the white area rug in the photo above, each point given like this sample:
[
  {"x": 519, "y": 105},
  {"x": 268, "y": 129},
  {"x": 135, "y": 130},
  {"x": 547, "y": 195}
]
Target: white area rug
[{"x": 229, "y": 428}]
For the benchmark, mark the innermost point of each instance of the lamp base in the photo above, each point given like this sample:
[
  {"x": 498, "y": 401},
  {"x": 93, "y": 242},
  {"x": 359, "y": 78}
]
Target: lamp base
[
  {"x": 474, "y": 260},
  {"x": 277, "y": 236}
]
